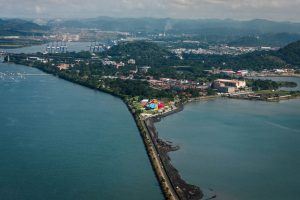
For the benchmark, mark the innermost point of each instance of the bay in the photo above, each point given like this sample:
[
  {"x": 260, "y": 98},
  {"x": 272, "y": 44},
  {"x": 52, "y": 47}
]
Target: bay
[{"x": 243, "y": 150}]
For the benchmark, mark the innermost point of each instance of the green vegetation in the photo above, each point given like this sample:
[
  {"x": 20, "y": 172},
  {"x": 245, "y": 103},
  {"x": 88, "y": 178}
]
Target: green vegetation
[
  {"x": 19, "y": 42},
  {"x": 252, "y": 61},
  {"x": 91, "y": 76},
  {"x": 291, "y": 53},
  {"x": 287, "y": 57},
  {"x": 18, "y": 27},
  {"x": 269, "y": 39},
  {"x": 154, "y": 55},
  {"x": 92, "y": 72},
  {"x": 16, "y": 33},
  {"x": 278, "y": 93},
  {"x": 258, "y": 84},
  {"x": 145, "y": 53}
]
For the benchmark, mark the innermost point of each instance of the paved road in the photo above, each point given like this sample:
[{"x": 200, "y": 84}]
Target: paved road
[{"x": 160, "y": 170}]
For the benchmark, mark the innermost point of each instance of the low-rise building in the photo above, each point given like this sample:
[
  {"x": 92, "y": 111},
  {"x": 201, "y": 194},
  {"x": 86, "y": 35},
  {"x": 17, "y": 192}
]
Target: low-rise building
[
  {"x": 63, "y": 66},
  {"x": 228, "y": 72},
  {"x": 144, "y": 69},
  {"x": 131, "y": 61},
  {"x": 120, "y": 64},
  {"x": 34, "y": 58},
  {"x": 228, "y": 86},
  {"x": 242, "y": 72}
]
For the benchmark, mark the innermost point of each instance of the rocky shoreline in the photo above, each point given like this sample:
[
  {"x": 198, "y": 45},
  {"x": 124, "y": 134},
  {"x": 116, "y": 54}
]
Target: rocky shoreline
[
  {"x": 184, "y": 190},
  {"x": 181, "y": 190}
]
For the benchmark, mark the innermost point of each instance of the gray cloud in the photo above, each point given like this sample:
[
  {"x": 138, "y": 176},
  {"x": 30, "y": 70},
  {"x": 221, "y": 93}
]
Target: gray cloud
[{"x": 237, "y": 9}]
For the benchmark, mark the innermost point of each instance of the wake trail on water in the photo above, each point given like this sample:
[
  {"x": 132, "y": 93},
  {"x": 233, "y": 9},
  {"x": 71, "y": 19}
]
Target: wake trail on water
[{"x": 283, "y": 127}]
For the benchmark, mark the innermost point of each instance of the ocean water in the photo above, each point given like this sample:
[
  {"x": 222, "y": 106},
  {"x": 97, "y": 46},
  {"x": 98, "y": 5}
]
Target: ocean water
[
  {"x": 243, "y": 150},
  {"x": 59, "y": 140}
]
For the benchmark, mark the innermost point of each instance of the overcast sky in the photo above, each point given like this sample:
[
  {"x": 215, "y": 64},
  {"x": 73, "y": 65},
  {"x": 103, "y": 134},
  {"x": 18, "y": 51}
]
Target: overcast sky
[{"x": 279, "y": 10}]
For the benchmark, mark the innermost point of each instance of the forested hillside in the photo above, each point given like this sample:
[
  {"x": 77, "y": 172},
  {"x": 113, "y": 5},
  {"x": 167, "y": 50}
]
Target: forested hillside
[
  {"x": 18, "y": 27},
  {"x": 291, "y": 53}
]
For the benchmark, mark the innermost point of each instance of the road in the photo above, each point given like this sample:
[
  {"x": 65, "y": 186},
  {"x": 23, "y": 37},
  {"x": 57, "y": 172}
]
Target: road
[{"x": 160, "y": 170}]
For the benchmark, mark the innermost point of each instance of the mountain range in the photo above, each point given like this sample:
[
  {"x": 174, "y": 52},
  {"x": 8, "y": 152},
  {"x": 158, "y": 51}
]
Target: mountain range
[{"x": 188, "y": 26}]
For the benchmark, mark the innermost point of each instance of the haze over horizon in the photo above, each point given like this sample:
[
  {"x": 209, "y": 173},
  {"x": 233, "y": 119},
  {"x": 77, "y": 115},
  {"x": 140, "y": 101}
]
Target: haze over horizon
[{"x": 276, "y": 10}]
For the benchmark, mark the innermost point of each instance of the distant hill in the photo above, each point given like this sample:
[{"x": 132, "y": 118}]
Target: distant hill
[
  {"x": 291, "y": 53},
  {"x": 145, "y": 53},
  {"x": 268, "y": 39},
  {"x": 288, "y": 56},
  {"x": 149, "y": 53},
  {"x": 18, "y": 27},
  {"x": 189, "y": 26},
  {"x": 137, "y": 48}
]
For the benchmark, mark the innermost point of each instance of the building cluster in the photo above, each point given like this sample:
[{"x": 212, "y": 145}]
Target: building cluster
[
  {"x": 168, "y": 83},
  {"x": 35, "y": 58},
  {"x": 131, "y": 62},
  {"x": 228, "y": 86},
  {"x": 63, "y": 66},
  {"x": 219, "y": 50},
  {"x": 274, "y": 72},
  {"x": 281, "y": 71},
  {"x": 152, "y": 104},
  {"x": 108, "y": 62},
  {"x": 144, "y": 69},
  {"x": 60, "y": 66},
  {"x": 67, "y": 37},
  {"x": 228, "y": 72}
]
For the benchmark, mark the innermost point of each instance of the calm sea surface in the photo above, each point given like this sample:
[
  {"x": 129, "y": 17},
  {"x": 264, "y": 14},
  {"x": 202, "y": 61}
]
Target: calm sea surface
[
  {"x": 243, "y": 150},
  {"x": 62, "y": 141}
]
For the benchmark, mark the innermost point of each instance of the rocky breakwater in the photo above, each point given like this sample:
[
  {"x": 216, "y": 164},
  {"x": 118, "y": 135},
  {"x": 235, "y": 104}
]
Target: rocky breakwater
[{"x": 183, "y": 190}]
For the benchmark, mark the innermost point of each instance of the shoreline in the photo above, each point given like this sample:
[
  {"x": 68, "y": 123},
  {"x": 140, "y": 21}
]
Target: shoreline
[
  {"x": 184, "y": 190},
  {"x": 157, "y": 164},
  {"x": 171, "y": 183},
  {"x": 274, "y": 75}
]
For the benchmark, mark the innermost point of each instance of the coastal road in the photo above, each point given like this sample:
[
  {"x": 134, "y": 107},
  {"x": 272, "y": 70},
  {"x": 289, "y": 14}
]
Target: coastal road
[{"x": 160, "y": 169}]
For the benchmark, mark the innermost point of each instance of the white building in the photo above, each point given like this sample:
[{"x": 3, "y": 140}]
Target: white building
[{"x": 131, "y": 61}]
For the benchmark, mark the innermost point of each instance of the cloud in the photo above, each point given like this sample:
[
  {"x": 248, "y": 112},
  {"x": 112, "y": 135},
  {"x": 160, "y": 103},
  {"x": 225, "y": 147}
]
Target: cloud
[
  {"x": 238, "y": 9},
  {"x": 38, "y": 9}
]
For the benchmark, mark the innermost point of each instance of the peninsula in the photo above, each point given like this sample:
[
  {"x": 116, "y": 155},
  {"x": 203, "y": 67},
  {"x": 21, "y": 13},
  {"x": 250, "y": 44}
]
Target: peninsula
[{"x": 154, "y": 83}]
